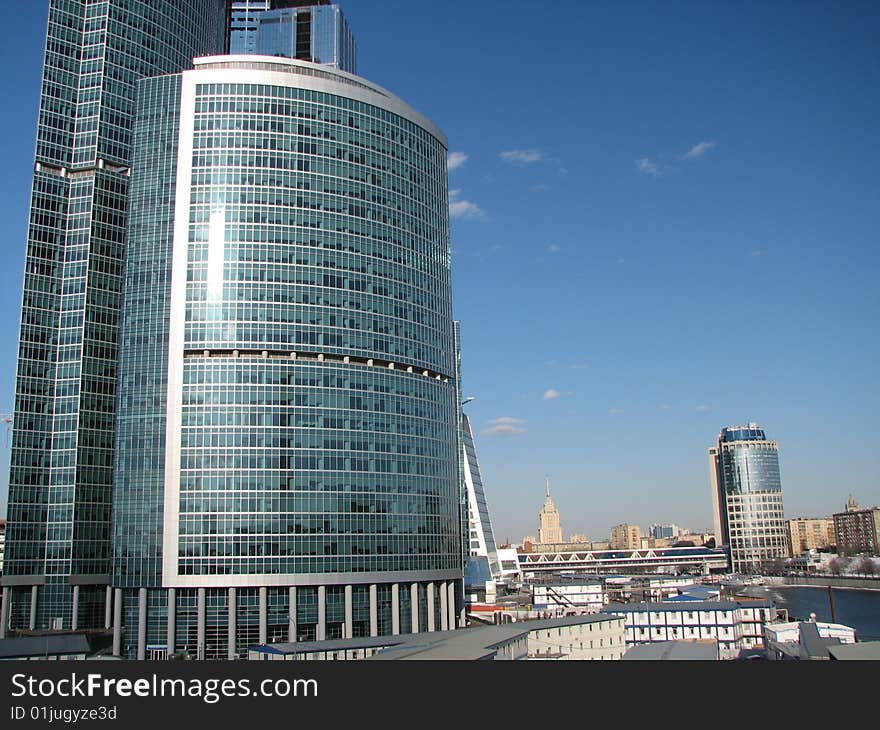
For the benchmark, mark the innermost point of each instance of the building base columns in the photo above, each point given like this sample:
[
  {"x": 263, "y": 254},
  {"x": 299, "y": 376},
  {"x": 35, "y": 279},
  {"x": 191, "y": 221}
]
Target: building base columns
[
  {"x": 142, "y": 624},
  {"x": 230, "y": 631},
  {"x": 4, "y": 611},
  {"x": 414, "y": 607},
  {"x": 171, "y": 639},
  {"x": 430, "y": 601},
  {"x": 117, "y": 622},
  {"x": 322, "y": 613},
  {"x": 291, "y": 614},
  {"x": 32, "y": 623}
]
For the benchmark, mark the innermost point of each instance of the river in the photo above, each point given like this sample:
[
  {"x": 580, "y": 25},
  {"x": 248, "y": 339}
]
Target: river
[{"x": 859, "y": 609}]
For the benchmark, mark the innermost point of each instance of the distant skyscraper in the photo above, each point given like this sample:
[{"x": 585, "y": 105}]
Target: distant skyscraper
[
  {"x": 287, "y": 454},
  {"x": 747, "y": 497},
  {"x": 308, "y": 30},
  {"x": 549, "y": 529},
  {"x": 664, "y": 531},
  {"x": 60, "y": 481}
]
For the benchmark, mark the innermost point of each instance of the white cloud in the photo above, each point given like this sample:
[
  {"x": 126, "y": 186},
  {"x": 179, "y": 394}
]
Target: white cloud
[
  {"x": 522, "y": 157},
  {"x": 459, "y": 208},
  {"x": 615, "y": 411},
  {"x": 698, "y": 150},
  {"x": 664, "y": 406},
  {"x": 553, "y": 248},
  {"x": 454, "y": 160},
  {"x": 703, "y": 408},
  {"x": 648, "y": 167},
  {"x": 550, "y": 394},
  {"x": 505, "y": 426}
]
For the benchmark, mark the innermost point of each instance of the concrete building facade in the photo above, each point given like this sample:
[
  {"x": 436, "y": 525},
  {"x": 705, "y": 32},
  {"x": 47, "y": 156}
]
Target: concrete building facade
[
  {"x": 810, "y": 533},
  {"x": 734, "y": 625},
  {"x": 857, "y": 531},
  {"x": 626, "y": 537}
]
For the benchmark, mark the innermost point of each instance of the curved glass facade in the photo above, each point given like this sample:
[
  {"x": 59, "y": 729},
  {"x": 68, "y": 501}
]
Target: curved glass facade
[
  {"x": 289, "y": 258},
  {"x": 747, "y": 491},
  {"x": 750, "y": 466}
]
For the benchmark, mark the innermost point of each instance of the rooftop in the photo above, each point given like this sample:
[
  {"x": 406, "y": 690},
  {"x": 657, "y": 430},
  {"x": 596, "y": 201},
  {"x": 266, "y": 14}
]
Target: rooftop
[
  {"x": 676, "y": 650},
  {"x": 862, "y": 650},
  {"x": 27, "y": 647},
  {"x": 686, "y": 606},
  {"x": 473, "y": 643}
]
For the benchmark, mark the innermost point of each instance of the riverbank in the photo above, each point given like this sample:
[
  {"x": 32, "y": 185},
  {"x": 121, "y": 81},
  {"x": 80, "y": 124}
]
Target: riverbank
[{"x": 824, "y": 581}]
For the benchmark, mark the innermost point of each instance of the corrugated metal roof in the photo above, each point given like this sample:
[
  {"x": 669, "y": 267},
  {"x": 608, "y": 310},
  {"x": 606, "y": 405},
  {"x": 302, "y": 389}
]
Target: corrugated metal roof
[
  {"x": 48, "y": 645},
  {"x": 675, "y": 650}
]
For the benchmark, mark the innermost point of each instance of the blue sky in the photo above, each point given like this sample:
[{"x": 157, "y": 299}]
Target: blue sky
[{"x": 665, "y": 222}]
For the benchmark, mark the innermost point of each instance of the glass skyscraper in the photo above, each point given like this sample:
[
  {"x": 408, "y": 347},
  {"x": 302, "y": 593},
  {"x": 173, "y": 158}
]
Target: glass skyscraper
[
  {"x": 58, "y": 543},
  {"x": 747, "y": 497},
  {"x": 481, "y": 538},
  {"x": 308, "y": 30},
  {"x": 287, "y": 450}
]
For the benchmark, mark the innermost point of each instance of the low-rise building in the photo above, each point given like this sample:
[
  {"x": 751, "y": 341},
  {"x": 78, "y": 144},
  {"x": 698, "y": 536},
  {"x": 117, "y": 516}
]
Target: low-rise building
[
  {"x": 568, "y": 594},
  {"x": 508, "y": 559},
  {"x": 595, "y": 637},
  {"x": 805, "y": 639},
  {"x": 577, "y": 638},
  {"x": 734, "y": 624},
  {"x": 661, "y": 587}
]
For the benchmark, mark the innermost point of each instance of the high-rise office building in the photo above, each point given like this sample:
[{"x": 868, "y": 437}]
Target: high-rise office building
[
  {"x": 287, "y": 453},
  {"x": 308, "y": 30},
  {"x": 481, "y": 538},
  {"x": 747, "y": 497},
  {"x": 60, "y": 483},
  {"x": 549, "y": 529}
]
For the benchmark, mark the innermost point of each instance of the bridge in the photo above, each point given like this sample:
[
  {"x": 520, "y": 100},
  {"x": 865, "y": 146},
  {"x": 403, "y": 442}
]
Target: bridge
[{"x": 650, "y": 560}]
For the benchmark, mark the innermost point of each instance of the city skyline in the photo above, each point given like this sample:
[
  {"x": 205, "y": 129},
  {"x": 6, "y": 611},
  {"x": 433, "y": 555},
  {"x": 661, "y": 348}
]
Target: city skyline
[{"x": 701, "y": 256}]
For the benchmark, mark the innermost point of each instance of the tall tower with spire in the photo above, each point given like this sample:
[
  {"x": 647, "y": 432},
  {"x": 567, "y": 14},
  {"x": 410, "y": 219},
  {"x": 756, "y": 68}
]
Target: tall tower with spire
[{"x": 549, "y": 530}]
